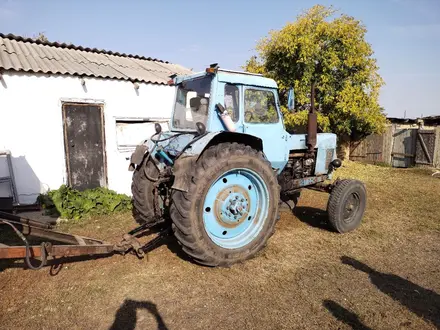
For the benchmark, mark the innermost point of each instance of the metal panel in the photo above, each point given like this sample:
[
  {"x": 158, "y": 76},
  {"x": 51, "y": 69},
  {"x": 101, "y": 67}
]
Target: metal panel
[
  {"x": 84, "y": 145},
  {"x": 425, "y": 145},
  {"x": 403, "y": 153}
]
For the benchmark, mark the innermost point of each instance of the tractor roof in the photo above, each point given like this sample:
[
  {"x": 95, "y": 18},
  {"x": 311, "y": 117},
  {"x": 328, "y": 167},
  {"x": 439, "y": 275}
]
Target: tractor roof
[{"x": 234, "y": 77}]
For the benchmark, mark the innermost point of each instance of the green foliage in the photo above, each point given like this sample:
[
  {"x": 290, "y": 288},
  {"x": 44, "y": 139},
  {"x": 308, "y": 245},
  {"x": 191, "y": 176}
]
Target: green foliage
[
  {"x": 41, "y": 37},
  {"x": 297, "y": 122},
  {"x": 332, "y": 52},
  {"x": 73, "y": 204},
  {"x": 260, "y": 106}
]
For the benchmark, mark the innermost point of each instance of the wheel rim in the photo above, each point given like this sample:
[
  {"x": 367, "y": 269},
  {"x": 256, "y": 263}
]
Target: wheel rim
[
  {"x": 351, "y": 207},
  {"x": 235, "y": 208}
]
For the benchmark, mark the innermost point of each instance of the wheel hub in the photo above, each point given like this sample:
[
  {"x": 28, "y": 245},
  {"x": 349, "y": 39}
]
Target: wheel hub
[
  {"x": 231, "y": 206},
  {"x": 351, "y": 207},
  {"x": 235, "y": 208}
]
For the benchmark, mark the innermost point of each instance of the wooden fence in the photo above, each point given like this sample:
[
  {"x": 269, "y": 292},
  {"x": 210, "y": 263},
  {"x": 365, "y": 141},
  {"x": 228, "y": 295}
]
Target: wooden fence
[{"x": 400, "y": 147}]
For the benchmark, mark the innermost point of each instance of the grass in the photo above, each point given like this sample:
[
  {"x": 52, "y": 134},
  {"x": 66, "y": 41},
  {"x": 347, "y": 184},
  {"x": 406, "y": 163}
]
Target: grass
[{"x": 385, "y": 275}]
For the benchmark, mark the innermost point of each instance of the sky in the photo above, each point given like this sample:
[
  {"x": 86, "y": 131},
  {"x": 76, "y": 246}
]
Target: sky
[{"x": 404, "y": 34}]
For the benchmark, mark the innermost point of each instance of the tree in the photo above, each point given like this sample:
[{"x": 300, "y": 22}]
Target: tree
[
  {"x": 41, "y": 37},
  {"x": 332, "y": 52}
]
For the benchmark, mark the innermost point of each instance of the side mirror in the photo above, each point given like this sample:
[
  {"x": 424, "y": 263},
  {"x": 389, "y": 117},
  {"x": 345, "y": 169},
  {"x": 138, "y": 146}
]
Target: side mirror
[
  {"x": 157, "y": 128},
  {"x": 201, "y": 128},
  {"x": 291, "y": 100}
]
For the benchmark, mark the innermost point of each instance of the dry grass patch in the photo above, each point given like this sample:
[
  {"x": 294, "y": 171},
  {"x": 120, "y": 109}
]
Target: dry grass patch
[{"x": 385, "y": 275}]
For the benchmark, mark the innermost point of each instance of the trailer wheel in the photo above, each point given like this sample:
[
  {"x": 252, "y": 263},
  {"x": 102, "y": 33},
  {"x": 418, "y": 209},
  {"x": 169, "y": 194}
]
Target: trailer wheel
[
  {"x": 346, "y": 205},
  {"x": 142, "y": 190},
  {"x": 231, "y": 207}
]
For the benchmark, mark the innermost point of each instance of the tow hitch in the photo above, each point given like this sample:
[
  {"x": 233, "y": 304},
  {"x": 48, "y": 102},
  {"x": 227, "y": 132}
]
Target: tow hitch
[{"x": 55, "y": 244}]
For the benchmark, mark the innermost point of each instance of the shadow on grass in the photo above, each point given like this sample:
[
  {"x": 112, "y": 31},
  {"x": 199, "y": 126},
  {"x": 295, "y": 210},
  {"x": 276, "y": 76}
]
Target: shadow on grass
[
  {"x": 344, "y": 315},
  {"x": 423, "y": 302},
  {"x": 126, "y": 317},
  {"x": 313, "y": 217}
]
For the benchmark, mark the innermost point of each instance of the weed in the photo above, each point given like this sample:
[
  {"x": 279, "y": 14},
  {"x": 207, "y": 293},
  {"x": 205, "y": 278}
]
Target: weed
[{"x": 69, "y": 203}]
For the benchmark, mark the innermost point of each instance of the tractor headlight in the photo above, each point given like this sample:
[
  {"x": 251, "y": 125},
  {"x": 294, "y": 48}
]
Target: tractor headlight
[{"x": 336, "y": 163}]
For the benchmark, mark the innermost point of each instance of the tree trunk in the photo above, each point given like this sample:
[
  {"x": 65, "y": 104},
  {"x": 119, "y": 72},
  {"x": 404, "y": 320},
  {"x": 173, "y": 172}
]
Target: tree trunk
[{"x": 343, "y": 149}]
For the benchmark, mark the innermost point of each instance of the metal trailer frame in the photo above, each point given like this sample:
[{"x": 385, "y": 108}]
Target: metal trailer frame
[{"x": 70, "y": 245}]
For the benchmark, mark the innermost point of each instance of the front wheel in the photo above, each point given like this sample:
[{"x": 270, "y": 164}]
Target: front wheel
[
  {"x": 231, "y": 207},
  {"x": 346, "y": 205}
]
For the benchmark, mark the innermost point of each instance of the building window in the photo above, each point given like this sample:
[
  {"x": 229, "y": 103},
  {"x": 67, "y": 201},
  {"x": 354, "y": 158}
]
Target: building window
[
  {"x": 259, "y": 106},
  {"x": 232, "y": 103},
  {"x": 132, "y": 132}
]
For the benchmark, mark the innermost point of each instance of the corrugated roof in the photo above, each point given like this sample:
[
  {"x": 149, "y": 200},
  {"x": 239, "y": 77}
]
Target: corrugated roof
[{"x": 25, "y": 54}]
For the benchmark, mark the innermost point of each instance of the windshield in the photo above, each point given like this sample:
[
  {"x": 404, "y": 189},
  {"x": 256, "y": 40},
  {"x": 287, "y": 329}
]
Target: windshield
[{"x": 192, "y": 103}]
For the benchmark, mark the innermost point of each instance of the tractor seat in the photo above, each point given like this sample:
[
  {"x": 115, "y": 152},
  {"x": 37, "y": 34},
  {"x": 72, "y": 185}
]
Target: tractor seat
[
  {"x": 203, "y": 108},
  {"x": 194, "y": 103}
]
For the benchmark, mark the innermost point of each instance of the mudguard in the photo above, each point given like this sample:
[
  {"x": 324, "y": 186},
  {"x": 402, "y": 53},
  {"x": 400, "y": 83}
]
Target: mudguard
[
  {"x": 137, "y": 156},
  {"x": 186, "y": 161},
  {"x": 197, "y": 148}
]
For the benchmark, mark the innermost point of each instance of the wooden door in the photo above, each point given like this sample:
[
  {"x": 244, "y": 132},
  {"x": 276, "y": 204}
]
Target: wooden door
[
  {"x": 84, "y": 142},
  {"x": 425, "y": 146}
]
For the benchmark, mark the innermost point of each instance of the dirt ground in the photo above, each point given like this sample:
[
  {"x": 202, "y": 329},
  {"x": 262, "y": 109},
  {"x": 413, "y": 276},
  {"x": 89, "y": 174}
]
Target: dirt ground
[{"x": 385, "y": 275}]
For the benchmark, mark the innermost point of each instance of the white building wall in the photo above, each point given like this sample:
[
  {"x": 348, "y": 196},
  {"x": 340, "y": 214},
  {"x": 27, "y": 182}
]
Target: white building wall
[{"x": 31, "y": 125}]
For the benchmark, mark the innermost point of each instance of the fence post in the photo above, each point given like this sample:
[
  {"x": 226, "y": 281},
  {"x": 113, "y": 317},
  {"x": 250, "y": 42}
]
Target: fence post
[{"x": 436, "y": 160}]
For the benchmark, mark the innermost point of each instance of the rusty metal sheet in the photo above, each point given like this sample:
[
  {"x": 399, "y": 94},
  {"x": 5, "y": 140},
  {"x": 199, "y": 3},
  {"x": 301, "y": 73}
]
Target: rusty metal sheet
[{"x": 303, "y": 182}]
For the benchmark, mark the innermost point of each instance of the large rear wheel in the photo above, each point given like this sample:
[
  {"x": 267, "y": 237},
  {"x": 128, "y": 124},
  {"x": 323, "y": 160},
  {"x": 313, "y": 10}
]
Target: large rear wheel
[
  {"x": 142, "y": 189},
  {"x": 230, "y": 209}
]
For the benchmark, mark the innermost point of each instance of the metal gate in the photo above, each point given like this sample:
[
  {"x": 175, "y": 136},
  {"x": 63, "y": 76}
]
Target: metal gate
[
  {"x": 425, "y": 145},
  {"x": 403, "y": 152}
]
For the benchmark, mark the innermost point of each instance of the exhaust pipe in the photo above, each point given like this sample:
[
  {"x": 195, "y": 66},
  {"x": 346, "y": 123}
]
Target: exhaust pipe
[{"x": 312, "y": 122}]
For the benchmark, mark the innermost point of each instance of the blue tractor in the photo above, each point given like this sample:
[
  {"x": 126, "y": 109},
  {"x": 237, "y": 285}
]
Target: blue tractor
[{"x": 221, "y": 172}]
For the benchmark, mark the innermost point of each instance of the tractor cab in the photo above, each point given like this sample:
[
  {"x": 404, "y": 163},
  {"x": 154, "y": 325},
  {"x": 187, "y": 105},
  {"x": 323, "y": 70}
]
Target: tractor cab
[
  {"x": 249, "y": 99},
  {"x": 235, "y": 102}
]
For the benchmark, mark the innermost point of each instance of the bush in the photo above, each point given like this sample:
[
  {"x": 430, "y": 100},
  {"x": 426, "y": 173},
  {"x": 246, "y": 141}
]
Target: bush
[{"x": 69, "y": 203}]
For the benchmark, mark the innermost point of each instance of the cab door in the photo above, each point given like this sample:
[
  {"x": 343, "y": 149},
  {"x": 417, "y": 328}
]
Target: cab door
[
  {"x": 262, "y": 118},
  {"x": 229, "y": 95}
]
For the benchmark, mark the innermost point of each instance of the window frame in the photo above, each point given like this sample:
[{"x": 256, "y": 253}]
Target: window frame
[
  {"x": 238, "y": 103},
  {"x": 119, "y": 131},
  {"x": 277, "y": 109},
  {"x": 175, "y": 128}
]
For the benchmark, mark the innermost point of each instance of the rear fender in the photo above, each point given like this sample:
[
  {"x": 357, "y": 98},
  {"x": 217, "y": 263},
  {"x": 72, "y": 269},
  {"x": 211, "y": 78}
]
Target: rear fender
[
  {"x": 183, "y": 166},
  {"x": 213, "y": 138}
]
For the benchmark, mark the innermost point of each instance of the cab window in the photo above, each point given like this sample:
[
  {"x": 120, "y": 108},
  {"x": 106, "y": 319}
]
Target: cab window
[
  {"x": 232, "y": 101},
  {"x": 260, "y": 106}
]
